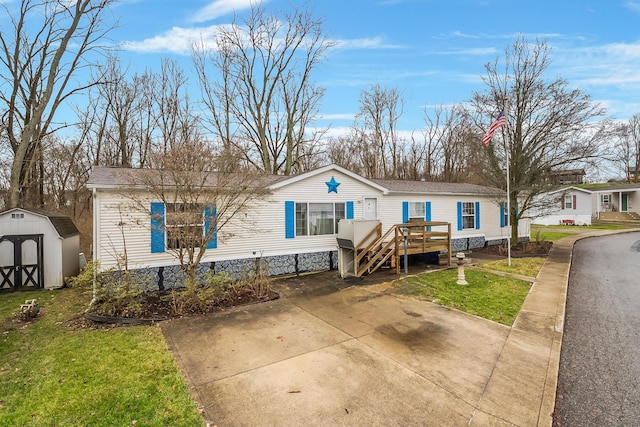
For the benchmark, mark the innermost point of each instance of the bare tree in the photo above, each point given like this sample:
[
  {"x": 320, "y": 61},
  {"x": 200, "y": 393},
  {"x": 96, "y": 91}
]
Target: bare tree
[
  {"x": 626, "y": 153},
  {"x": 43, "y": 45},
  {"x": 130, "y": 118},
  {"x": 264, "y": 99},
  {"x": 549, "y": 125},
  {"x": 377, "y": 123},
  {"x": 66, "y": 174},
  {"x": 199, "y": 196}
]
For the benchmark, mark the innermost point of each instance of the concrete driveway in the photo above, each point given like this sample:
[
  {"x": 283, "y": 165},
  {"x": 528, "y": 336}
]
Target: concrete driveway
[{"x": 326, "y": 354}]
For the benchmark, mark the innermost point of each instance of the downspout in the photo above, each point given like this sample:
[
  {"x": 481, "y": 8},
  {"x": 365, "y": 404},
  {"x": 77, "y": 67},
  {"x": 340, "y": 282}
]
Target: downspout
[{"x": 93, "y": 250}]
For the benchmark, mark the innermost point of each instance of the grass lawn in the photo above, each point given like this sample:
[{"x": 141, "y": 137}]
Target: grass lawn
[
  {"x": 488, "y": 295},
  {"x": 55, "y": 375},
  {"x": 550, "y": 236},
  {"x": 529, "y": 266},
  {"x": 552, "y": 233}
]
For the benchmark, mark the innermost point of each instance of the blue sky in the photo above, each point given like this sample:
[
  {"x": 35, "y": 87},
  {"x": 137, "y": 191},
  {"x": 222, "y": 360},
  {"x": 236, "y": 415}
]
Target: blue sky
[{"x": 432, "y": 51}]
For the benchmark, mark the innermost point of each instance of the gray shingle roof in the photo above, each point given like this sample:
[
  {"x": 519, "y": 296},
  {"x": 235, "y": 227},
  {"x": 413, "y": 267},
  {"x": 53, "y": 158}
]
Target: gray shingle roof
[
  {"x": 429, "y": 187},
  {"x": 616, "y": 187},
  {"x": 102, "y": 176}
]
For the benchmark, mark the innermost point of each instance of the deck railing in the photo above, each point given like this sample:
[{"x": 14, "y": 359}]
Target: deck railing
[{"x": 390, "y": 246}]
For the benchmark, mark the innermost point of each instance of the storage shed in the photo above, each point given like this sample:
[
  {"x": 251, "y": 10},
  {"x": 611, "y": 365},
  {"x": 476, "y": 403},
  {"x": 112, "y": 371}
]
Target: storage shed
[{"x": 37, "y": 249}]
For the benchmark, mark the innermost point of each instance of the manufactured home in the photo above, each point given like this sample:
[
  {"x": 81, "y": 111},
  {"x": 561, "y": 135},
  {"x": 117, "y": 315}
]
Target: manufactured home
[
  {"x": 567, "y": 205},
  {"x": 293, "y": 228}
]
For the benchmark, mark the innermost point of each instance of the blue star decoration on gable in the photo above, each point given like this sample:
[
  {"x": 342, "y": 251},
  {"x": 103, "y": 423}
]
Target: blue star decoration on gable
[{"x": 332, "y": 185}]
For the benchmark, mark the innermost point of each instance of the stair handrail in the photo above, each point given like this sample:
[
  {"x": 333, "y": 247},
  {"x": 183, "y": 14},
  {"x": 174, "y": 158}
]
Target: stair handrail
[{"x": 387, "y": 250}]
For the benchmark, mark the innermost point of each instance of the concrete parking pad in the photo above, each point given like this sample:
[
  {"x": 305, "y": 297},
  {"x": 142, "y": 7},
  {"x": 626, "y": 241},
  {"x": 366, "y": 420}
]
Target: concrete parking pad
[
  {"x": 354, "y": 356},
  {"x": 344, "y": 384}
]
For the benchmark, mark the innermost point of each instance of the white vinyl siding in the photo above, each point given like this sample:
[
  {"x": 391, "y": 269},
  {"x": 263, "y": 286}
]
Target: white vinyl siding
[{"x": 260, "y": 231}]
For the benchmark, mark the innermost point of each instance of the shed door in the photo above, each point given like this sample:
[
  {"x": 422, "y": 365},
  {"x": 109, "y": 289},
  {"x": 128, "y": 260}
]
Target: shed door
[{"x": 21, "y": 261}]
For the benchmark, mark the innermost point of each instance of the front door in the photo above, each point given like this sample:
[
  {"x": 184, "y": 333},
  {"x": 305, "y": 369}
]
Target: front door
[
  {"x": 370, "y": 208},
  {"x": 21, "y": 261},
  {"x": 624, "y": 202}
]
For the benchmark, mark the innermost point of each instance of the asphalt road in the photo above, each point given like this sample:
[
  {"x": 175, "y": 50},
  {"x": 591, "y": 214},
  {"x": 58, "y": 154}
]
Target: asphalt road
[{"x": 598, "y": 381}]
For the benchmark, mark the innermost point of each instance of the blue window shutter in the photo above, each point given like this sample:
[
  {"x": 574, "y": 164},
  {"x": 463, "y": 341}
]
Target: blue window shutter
[
  {"x": 459, "y": 215},
  {"x": 157, "y": 227},
  {"x": 209, "y": 216},
  {"x": 477, "y": 215},
  {"x": 349, "y": 210},
  {"x": 502, "y": 206},
  {"x": 290, "y": 219},
  {"x": 405, "y": 212},
  {"x": 427, "y": 213}
]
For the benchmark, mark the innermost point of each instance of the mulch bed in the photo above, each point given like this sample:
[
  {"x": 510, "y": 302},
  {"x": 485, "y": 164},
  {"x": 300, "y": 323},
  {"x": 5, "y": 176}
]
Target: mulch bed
[
  {"x": 521, "y": 249},
  {"x": 157, "y": 306}
]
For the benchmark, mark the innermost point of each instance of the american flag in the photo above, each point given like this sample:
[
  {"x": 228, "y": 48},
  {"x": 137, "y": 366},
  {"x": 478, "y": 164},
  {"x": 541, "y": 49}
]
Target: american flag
[{"x": 501, "y": 120}]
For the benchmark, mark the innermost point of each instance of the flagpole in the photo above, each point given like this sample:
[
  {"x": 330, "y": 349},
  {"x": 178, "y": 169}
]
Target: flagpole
[
  {"x": 501, "y": 121},
  {"x": 507, "y": 150}
]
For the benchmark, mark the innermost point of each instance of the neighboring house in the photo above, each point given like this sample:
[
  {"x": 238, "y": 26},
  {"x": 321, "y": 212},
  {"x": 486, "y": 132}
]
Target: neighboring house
[
  {"x": 294, "y": 228},
  {"x": 37, "y": 249},
  {"x": 568, "y": 176},
  {"x": 578, "y": 206},
  {"x": 567, "y": 205},
  {"x": 616, "y": 198}
]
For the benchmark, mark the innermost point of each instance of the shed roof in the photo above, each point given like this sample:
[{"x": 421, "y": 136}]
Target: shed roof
[{"x": 63, "y": 224}]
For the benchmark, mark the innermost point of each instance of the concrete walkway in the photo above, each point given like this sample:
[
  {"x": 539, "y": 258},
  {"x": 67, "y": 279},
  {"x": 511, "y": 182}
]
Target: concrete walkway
[{"x": 361, "y": 355}]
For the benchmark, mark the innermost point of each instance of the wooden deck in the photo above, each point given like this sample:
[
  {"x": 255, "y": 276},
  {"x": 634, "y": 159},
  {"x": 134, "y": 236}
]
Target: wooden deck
[{"x": 415, "y": 237}]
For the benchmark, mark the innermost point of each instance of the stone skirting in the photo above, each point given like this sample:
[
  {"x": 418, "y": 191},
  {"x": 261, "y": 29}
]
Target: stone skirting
[
  {"x": 172, "y": 276},
  {"x": 467, "y": 243}
]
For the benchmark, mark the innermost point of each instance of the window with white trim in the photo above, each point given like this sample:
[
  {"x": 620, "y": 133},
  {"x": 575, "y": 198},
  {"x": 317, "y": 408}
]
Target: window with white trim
[
  {"x": 606, "y": 199},
  {"x": 417, "y": 210},
  {"x": 184, "y": 223},
  {"x": 316, "y": 219},
  {"x": 468, "y": 215},
  {"x": 568, "y": 201}
]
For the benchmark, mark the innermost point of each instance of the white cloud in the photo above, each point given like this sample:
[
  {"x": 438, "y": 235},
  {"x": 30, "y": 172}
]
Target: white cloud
[
  {"x": 337, "y": 116},
  {"x": 365, "y": 43},
  {"x": 606, "y": 65},
  {"x": 220, "y": 8},
  {"x": 633, "y": 6},
  {"x": 176, "y": 40}
]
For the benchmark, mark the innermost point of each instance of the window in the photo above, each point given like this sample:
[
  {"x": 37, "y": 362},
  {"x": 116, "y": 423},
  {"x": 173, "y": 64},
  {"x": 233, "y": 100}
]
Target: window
[
  {"x": 177, "y": 225},
  {"x": 17, "y": 216},
  {"x": 606, "y": 199},
  {"x": 316, "y": 219},
  {"x": 568, "y": 201},
  {"x": 504, "y": 214},
  {"x": 184, "y": 225},
  {"x": 417, "y": 210},
  {"x": 468, "y": 215}
]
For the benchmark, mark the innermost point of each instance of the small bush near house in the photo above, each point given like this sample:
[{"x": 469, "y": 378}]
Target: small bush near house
[{"x": 119, "y": 294}]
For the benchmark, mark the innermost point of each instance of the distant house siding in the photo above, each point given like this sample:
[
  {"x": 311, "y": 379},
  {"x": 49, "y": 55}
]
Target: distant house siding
[{"x": 556, "y": 212}]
